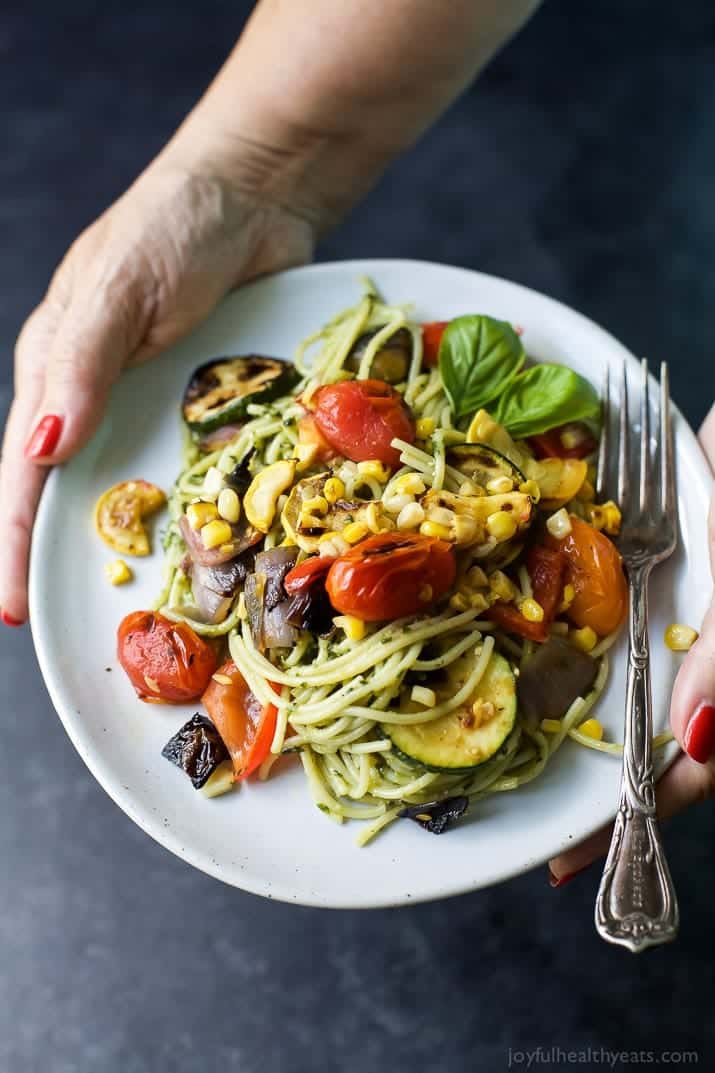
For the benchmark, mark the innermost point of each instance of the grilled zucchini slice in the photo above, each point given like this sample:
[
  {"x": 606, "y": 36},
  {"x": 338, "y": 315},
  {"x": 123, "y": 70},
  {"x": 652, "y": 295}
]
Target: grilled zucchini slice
[
  {"x": 462, "y": 740},
  {"x": 481, "y": 463},
  {"x": 220, "y": 391}
]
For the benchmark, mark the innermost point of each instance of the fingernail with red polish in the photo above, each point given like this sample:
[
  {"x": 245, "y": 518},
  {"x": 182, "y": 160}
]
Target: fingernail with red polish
[
  {"x": 699, "y": 740},
  {"x": 559, "y": 881},
  {"x": 45, "y": 438},
  {"x": 9, "y": 620}
]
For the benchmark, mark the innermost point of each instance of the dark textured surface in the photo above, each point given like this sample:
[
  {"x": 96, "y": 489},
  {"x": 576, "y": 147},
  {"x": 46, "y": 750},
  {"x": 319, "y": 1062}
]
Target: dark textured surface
[{"x": 582, "y": 164}]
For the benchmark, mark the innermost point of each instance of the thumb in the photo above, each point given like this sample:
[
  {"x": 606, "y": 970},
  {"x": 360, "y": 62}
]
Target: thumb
[{"x": 93, "y": 342}]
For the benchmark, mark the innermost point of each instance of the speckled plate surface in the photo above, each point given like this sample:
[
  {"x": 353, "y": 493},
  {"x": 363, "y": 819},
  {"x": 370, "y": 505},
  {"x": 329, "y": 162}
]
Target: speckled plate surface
[{"x": 269, "y": 838}]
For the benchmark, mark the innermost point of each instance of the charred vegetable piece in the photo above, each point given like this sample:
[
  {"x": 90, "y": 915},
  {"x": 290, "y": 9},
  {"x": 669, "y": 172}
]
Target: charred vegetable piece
[
  {"x": 220, "y": 391},
  {"x": 471, "y": 734},
  {"x": 119, "y": 513},
  {"x": 553, "y": 678},
  {"x": 310, "y": 607},
  {"x": 307, "y": 534},
  {"x": 240, "y": 476},
  {"x": 197, "y": 749},
  {"x": 436, "y": 816},
  {"x": 243, "y": 536},
  {"x": 267, "y": 602},
  {"x": 481, "y": 463},
  {"x": 214, "y": 587},
  {"x": 391, "y": 362}
]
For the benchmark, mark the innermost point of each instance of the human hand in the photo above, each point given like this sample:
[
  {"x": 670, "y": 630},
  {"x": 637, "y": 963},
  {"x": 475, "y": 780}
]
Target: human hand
[
  {"x": 692, "y": 717},
  {"x": 139, "y": 278}
]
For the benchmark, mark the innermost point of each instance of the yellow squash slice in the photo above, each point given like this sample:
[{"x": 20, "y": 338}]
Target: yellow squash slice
[{"x": 119, "y": 514}]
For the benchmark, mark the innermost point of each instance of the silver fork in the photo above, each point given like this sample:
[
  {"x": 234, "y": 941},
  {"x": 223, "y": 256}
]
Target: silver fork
[{"x": 636, "y": 904}]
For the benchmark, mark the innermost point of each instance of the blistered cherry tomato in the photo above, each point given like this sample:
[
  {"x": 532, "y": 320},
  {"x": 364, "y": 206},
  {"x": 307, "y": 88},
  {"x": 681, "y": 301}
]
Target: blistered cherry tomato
[
  {"x": 551, "y": 445},
  {"x": 545, "y": 567},
  {"x": 431, "y": 338},
  {"x": 593, "y": 567},
  {"x": 391, "y": 575},
  {"x": 165, "y": 661},
  {"x": 245, "y": 724},
  {"x": 361, "y": 418}
]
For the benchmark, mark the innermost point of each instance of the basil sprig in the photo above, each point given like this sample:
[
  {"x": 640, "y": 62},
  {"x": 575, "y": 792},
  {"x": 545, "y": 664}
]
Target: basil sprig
[
  {"x": 544, "y": 397},
  {"x": 478, "y": 356}
]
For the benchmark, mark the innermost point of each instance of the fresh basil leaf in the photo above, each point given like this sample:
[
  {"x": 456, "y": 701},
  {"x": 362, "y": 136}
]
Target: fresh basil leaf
[
  {"x": 478, "y": 356},
  {"x": 544, "y": 397}
]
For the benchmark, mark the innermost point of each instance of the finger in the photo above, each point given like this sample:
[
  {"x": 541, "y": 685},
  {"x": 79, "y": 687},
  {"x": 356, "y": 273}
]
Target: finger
[
  {"x": 94, "y": 340},
  {"x": 706, "y": 435},
  {"x": 20, "y": 481},
  {"x": 685, "y": 783}
]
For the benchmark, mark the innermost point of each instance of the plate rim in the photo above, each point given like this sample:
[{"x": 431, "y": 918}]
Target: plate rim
[{"x": 165, "y": 836}]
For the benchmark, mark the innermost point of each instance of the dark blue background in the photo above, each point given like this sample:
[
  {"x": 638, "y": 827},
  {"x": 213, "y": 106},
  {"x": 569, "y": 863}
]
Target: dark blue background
[{"x": 582, "y": 164}]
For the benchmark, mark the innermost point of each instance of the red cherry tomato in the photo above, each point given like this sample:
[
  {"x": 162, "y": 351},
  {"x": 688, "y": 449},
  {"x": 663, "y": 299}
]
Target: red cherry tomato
[
  {"x": 545, "y": 567},
  {"x": 361, "y": 418},
  {"x": 245, "y": 725},
  {"x": 165, "y": 661},
  {"x": 593, "y": 567},
  {"x": 303, "y": 577},
  {"x": 550, "y": 444},
  {"x": 431, "y": 338},
  {"x": 391, "y": 575}
]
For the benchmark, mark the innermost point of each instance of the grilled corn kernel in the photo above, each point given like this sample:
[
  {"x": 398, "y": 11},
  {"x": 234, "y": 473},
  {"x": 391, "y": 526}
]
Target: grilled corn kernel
[
  {"x": 478, "y": 601},
  {"x": 471, "y": 488},
  {"x": 531, "y": 488},
  {"x": 433, "y": 529},
  {"x": 592, "y": 729},
  {"x": 215, "y": 533},
  {"x": 441, "y": 515},
  {"x": 586, "y": 492},
  {"x": 326, "y": 546},
  {"x": 374, "y": 468},
  {"x": 551, "y": 726},
  {"x": 482, "y": 710},
  {"x": 465, "y": 528},
  {"x": 354, "y": 532},
  {"x": 559, "y": 524},
  {"x": 411, "y": 483},
  {"x": 585, "y": 639},
  {"x": 306, "y": 520},
  {"x": 229, "y": 505},
  {"x": 410, "y": 516},
  {"x": 372, "y": 518},
  {"x": 315, "y": 505},
  {"x": 354, "y": 628},
  {"x": 328, "y": 535},
  {"x": 395, "y": 503},
  {"x": 678, "y": 638},
  {"x": 426, "y": 697},
  {"x": 200, "y": 514},
  {"x": 500, "y": 485},
  {"x": 611, "y": 518},
  {"x": 333, "y": 489},
  {"x": 502, "y": 586},
  {"x": 118, "y": 573},
  {"x": 222, "y": 679},
  {"x": 476, "y": 577},
  {"x": 459, "y": 602},
  {"x": 567, "y": 598},
  {"x": 595, "y": 516},
  {"x": 425, "y": 427},
  {"x": 531, "y": 610},
  {"x": 501, "y": 525},
  {"x": 213, "y": 482}
]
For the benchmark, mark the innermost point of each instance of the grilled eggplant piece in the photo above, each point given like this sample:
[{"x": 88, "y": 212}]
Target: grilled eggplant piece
[
  {"x": 553, "y": 678},
  {"x": 197, "y": 749},
  {"x": 220, "y": 391},
  {"x": 436, "y": 816},
  {"x": 392, "y": 361}
]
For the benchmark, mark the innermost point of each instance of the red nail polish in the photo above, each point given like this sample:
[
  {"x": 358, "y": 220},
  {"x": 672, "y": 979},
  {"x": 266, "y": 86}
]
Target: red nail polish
[
  {"x": 559, "y": 881},
  {"x": 45, "y": 438},
  {"x": 9, "y": 620},
  {"x": 699, "y": 740}
]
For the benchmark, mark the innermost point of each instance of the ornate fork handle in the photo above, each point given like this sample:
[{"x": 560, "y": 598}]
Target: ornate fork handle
[{"x": 636, "y": 904}]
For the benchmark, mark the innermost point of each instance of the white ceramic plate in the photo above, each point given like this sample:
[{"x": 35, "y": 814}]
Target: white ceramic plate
[{"x": 269, "y": 838}]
